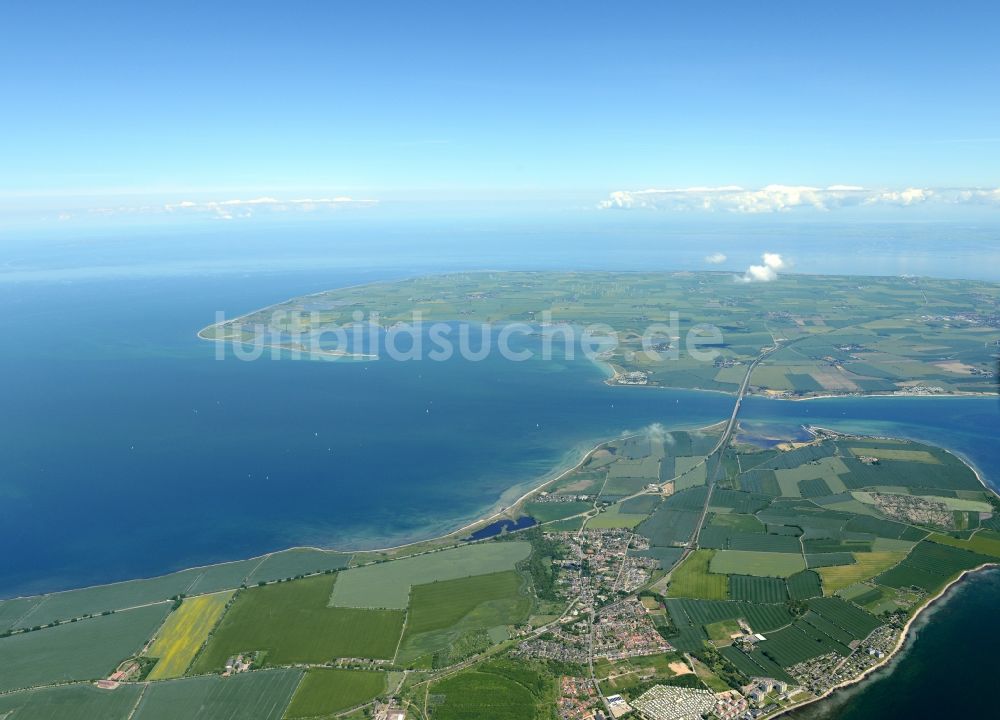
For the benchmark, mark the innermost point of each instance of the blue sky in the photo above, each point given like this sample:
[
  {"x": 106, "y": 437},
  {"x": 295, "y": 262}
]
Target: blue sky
[{"x": 116, "y": 109}]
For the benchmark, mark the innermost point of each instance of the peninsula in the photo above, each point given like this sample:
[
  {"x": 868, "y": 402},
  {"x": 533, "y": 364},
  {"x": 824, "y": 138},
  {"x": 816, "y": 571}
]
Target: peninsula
[{"x": 838, "y": 335}]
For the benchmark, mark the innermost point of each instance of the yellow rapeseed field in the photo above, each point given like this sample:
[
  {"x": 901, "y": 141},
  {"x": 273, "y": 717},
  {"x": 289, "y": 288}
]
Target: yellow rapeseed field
[
  {"x": 868, "y": 565},
  {"x": 184, "y": 632}
]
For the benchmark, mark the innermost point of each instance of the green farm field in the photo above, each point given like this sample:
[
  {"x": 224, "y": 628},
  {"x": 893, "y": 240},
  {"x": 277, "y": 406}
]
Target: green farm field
[
  {"x": 985, "y": 542},
  {"x": 757, "y": 589},
  {"x": 804, "y": 585},
  {"x": 292, "y": 623},
  {"x": 722, "y": 630},
  {"x": 891, "y": 453},
  {"x": 441, "y": 612},
  {"x": 930, "y": 566},
  {"x": 85, "y": 650},
  {"x": 71, "y": 604},
  {"x": 548, "y": 511},
  {"x": 692, "y": 578},
  {"x": 848, "y": 337},
  {"x": 387, "y": 585},
  {"x": 614, "y": 518},
  {"x": 737, "y": 523},
  {"x": 325, "y": 691},
  {"x": 865, "y": 567},
  {"x": 261, "y": 695},
  {"x": 498, "y": 691},
  {"x": 295, "y": 562},
  {"x": 69, "y": 702},
  {"x": 761, "y": 564},
  {"x": 12, "y": 610}
]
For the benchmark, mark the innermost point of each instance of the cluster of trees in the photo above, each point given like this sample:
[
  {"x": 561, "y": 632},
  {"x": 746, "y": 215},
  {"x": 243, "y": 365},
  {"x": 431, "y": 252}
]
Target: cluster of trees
[
  {"x": 797, "y": 608},
  {"x": 539, "y": 564},
  {"x": 715, "y": 662},
  {"x": 663, "y": 623}
]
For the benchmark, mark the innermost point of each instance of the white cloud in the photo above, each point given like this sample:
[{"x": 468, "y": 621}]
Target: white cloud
[
  {"x": 230, "y": 209},
  {"x": 784, "y": 198},
  {"x": 768, "y": 271},
  {"x": 234, "y": 208},
  {"x": 715, "y": 258},
  {"x": 974, "y": 195},
  {"x": 909, "y": 196},
  {"x": 773, "y": 260}
]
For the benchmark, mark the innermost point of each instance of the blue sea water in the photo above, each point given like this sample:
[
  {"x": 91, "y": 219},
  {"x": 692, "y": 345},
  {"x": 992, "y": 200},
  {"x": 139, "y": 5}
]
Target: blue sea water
[
  {"x": 969, "y": 427},
  {"x": 128, "y": 450},
  {"x": 946, "y": 670}
]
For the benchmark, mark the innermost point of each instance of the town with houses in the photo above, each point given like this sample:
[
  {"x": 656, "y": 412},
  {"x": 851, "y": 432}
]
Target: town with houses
[
  {"x": 634, "y": 627},
  {"x": 611, "y": 626}
]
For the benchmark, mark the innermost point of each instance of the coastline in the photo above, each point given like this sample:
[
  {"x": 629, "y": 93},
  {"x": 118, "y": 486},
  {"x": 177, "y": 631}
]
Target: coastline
[
  {"x": 603, "y": 363},
  {"x": 549, "y": 478},
  {"x": 905, "y": 633},
  {"x": 940, "y": 598},
  {"x": 960, "y": 456},
  {"x": 497, "y": 510},
  {"x": 610, "y": 381},
  {"x": 334, "y": 354},
  {"x": 882, "y": 395},
  {"x": 503, "y": 507},
  {"x": 290, "y": 299}
]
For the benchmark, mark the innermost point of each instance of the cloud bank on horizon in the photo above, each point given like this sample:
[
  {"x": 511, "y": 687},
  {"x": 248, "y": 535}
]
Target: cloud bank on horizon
[
  {"x": 783, "y": 198},
  {"x": 229, "y": 209}
]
